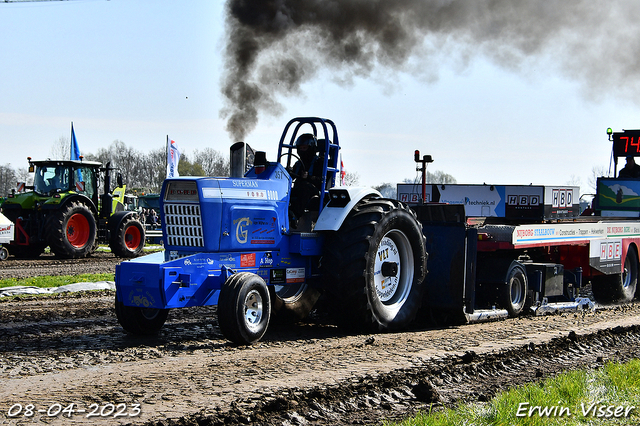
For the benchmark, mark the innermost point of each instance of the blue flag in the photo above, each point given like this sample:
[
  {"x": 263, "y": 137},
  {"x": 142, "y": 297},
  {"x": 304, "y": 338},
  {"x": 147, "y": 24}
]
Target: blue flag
[
  {"x": 75, "y": 155},
  {"x": 75, "y": 151}
]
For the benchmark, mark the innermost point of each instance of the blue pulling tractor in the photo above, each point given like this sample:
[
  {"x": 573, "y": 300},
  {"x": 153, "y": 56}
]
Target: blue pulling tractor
[{"x": 272, "y": 240}]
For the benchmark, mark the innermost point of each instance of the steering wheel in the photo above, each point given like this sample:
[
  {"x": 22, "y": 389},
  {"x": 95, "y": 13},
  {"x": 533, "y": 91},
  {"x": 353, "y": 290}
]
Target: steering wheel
[{"x": 290, "y": 169}]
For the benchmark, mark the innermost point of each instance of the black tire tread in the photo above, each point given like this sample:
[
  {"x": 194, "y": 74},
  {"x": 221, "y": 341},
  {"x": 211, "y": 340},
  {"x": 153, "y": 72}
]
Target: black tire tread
[
  {"x": 132, "y": 320},
  {"x": 117, "y": 243},
  {"x": 55, "y": 231},
  {"x": 228, "y": 303},
  {"x": 344, "y": 263}
]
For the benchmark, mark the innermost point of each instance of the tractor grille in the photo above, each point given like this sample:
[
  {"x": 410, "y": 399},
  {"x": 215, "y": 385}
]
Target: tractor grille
[{"x": 183, "y": 225}]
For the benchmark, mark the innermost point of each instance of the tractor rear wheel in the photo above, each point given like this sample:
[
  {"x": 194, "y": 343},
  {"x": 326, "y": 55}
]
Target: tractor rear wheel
[
  {"x": 140, "y": 320},
  {"x": 375, "y": 266},
  {"x": 128, "y": 239},
  {"x": 244, "y": 308},
  {"x": 71, "y": 231}
]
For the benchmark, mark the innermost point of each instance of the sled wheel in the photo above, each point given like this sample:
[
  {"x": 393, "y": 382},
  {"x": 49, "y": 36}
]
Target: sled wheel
[
  {"x": 293, "y": 302},
  {"x": 71, "y": 231},
  {"x": 128, "y": 239},
  {"x": 629, "y": 282},
  {"x": 244, "y": 308},
  {"x": 375, "y": 265},
  {"x": 513, "y": 294},
  {"x": 140, "y": 320},
  {"x": 618, "y": 287},
  {"x": 4, "y": 253}
]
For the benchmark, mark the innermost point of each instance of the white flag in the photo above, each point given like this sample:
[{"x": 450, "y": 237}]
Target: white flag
[{"x": 173, "y": 157}]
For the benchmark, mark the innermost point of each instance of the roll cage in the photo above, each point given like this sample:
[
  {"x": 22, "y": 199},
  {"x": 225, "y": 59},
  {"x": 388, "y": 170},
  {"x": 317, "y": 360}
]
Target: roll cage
[{"x": 328, "y": 148}]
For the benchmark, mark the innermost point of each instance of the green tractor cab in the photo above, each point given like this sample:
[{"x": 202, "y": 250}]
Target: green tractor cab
[{"x": 64, "y": 211}]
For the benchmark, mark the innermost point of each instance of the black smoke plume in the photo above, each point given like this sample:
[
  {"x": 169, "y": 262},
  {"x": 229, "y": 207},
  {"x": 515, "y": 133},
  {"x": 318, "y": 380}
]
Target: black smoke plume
[{"x": 274, "y": 46}]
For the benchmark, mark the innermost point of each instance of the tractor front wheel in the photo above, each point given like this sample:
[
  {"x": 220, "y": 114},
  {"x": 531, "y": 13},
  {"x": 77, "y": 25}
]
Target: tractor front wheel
[
  {"x": 71, "y": 231},
  {"x": 128, "y": 239},
  {"x": 244, "y": 308},
  {"x": 140, "y": 320}
]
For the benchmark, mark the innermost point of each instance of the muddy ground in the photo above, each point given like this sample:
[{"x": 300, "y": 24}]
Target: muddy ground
[
  {"x": 47, "y": 264},
  {"x": 69, "y": 349}
]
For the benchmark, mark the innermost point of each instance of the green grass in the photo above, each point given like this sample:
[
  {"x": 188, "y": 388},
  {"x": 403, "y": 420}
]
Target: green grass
[
  {"x": 55, "y": 281},
  {"x": 575, "y": 398}
]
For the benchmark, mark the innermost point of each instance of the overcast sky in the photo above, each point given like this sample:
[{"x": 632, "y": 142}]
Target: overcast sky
[{"x": 139, "y": 70}]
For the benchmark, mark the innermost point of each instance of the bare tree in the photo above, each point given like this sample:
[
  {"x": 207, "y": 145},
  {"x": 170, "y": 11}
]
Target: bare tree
[
  {"x": 60, "y": 149},
  {"x": 187, "y": 168},
  {"x": 575, "y": 181},
  {"x": 387, "y": 189},
  {"x": 213, "y": 163},
  {"x": 7, "y": 180},
  {"x": 440, "y": 177},
  {"x": 351, "y": 179},
  {"x": 155, "y": 169},
  {"x": 127, "y": 161},
  {"x": 596, "y": 172}
]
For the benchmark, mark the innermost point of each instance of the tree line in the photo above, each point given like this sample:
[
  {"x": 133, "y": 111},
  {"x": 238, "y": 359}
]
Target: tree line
[{"x": 143, "y": 172}]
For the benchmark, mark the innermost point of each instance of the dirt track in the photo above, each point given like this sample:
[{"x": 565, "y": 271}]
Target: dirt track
[
  {"x": 48, "y": 264},
  {"x": 70, "y": 349}
]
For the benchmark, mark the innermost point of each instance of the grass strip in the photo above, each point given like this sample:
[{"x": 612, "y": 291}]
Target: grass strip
[
  {"x": 610, "y": 395},
  {"x": 55, "y": 281}
]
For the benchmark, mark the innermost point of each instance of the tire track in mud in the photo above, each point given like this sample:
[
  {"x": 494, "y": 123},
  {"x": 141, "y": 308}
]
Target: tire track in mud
[
  {"x": 48, "y": 264},
  {"x": 70, "y": 348}
]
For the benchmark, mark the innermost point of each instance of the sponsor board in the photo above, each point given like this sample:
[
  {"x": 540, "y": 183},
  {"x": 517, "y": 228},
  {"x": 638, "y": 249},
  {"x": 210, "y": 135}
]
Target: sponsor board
[
  {"x": 295, "y": 275},
  {"x": 508, "y": 201},
  {"x": 569, "y": 233}
]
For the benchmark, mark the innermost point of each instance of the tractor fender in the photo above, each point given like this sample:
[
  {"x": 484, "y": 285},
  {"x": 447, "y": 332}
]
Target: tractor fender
[
  {"x": 342, "y": 200},
  {"x": 51, "y": 204},
  {"x": 116, "y": 219}
]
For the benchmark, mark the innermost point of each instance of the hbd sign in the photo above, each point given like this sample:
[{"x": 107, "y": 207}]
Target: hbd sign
[
  {"x": 561, "y": 198},
  {"x": 610, "y": 250},
  {"x": 523, "y": 200}
]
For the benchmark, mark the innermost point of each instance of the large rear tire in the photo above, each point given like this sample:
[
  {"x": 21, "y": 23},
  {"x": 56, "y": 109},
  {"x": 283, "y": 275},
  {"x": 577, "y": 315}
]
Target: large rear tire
[
  {"x": 618, "y": 287},
  {"x": 128, "y": 240},
  {"x": 71, "y": 231},
  {"x": 140, "y": 320},
  {"x": 375, "y": 265},
  {"x": 244, "y": 308}
]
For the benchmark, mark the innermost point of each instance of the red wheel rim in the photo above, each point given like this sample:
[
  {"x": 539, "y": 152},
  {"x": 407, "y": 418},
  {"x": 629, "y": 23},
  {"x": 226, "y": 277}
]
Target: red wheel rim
[
  {"x": 132, "y": 237},
  {"x": 78, "y": 230}
]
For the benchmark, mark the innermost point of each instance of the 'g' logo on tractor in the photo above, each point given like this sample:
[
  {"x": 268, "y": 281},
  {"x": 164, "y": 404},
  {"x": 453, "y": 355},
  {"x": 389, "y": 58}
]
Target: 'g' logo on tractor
[{"x": 241, "y": 231}]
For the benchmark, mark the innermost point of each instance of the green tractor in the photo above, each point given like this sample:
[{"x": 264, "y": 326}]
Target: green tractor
[{"x": 64, "y": 211}]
